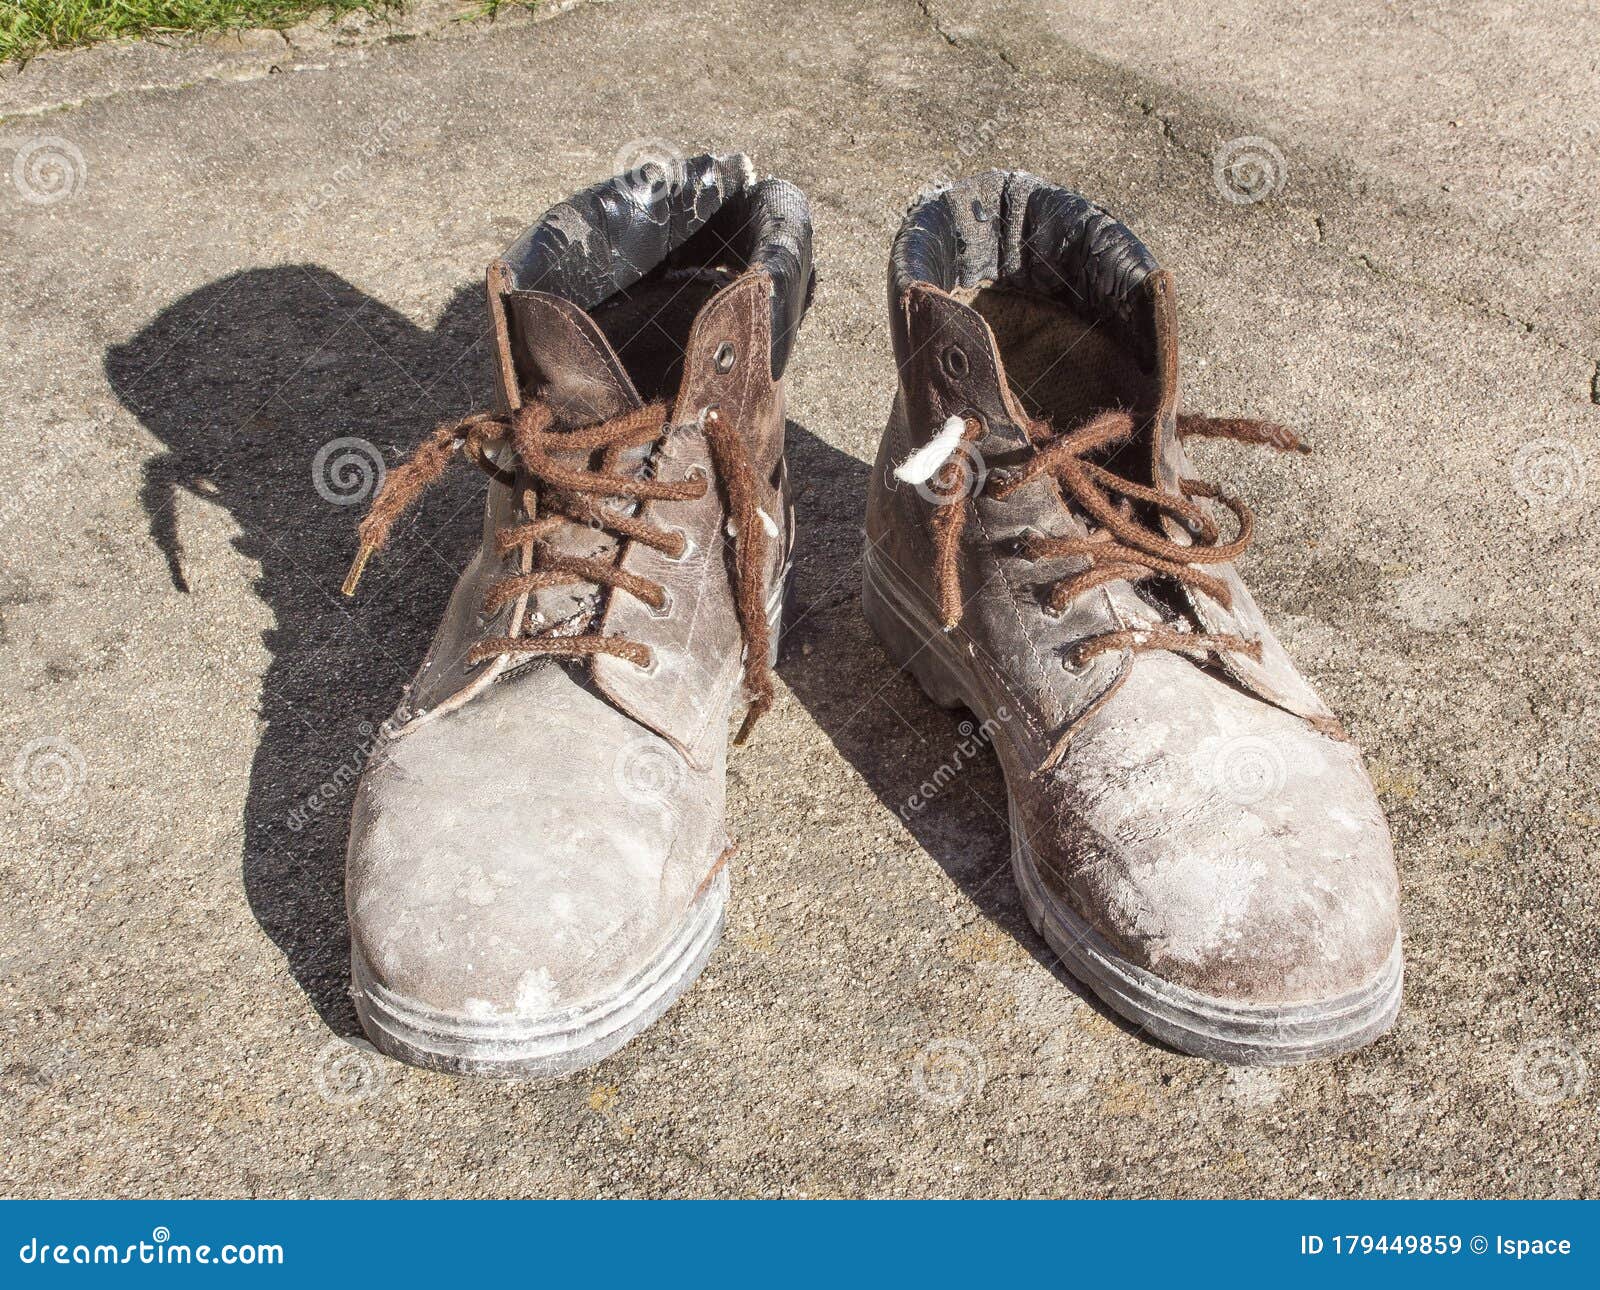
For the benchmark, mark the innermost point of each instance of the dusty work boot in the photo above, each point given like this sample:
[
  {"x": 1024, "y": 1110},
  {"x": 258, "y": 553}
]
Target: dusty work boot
[
  {"x": 537, "y": 860},
  {"x": 1191, "y": 830}
]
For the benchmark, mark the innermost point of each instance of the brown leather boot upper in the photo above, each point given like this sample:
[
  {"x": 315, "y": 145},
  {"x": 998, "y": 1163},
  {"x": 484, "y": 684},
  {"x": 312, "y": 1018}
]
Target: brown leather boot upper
[
  {"x": 537, "y": 848},
  {"x": 1039, "y": 548}
]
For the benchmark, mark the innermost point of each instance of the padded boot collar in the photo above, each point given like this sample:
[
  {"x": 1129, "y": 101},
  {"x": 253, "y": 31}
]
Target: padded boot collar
[
  {"x": 705, "y": 210},
  {"x": 1013, "y": 230}
]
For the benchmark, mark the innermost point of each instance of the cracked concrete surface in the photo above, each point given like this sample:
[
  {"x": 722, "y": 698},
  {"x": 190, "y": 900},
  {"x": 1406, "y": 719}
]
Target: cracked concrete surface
[{"x": 250, "y": 268}]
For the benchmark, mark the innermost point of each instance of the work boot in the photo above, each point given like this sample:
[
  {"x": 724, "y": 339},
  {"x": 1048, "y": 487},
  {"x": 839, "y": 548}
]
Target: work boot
[
  {"x": 538, "y": 853},
  {"x": 1191, "y": 830}
]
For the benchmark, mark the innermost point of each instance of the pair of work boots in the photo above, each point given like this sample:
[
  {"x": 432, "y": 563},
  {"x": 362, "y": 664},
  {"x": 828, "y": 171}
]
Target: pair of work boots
[{"x": 538, "y": 854}]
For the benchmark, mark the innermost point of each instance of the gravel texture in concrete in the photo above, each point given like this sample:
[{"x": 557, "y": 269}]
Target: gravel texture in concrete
[{"x": 1383, "y": 225}]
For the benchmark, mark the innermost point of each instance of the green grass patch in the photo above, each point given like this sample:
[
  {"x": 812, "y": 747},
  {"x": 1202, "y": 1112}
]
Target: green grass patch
[{"x": 28, "y": 26}]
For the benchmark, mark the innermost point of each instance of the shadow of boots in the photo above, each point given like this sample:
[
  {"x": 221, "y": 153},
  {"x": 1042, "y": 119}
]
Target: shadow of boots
[
  {"x": 279, "y": 394},
  {"x": 932, "y": 769}
]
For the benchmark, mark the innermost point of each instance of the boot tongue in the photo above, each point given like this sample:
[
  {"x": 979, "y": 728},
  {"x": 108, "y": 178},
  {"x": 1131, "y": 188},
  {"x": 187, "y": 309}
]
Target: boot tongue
[
  {"x": 569, "y": 364},
  {"x": 1146, "y": 330},
  {"x": 565, "y": 359}
]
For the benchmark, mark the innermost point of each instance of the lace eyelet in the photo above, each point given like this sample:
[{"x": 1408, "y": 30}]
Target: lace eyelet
[
  {"x": 1075, "y": 665},
  {"x": 723, "y": 359},
  {"x": 664, "y": 610},
  {"x": 954, "y": 361},
  {"x": 686, "y": 554},
  {"x": 696, "y": 472}
]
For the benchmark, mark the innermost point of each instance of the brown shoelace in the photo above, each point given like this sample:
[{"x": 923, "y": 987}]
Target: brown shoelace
[
  {"x": 554, "y": 489},
  {"x": 1122, "y": 547}
]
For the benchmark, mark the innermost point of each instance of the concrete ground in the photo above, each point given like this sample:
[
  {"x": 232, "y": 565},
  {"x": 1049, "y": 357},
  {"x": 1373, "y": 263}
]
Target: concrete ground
[{"x": 247, "y": 249}]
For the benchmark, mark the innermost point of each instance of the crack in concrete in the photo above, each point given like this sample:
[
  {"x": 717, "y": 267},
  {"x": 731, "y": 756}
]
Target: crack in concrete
[
  {"x": 1486, "y": 309},
  {"x": 999, "y": 51},
  {"x": 344, "y": 55},
  {"x": 933, "y": 21},
  {"x": 1169, "y": 133},
  {"x": 244, "y": 74}
]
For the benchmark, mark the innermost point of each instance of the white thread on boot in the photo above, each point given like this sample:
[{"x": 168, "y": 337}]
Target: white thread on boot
[
  {"x": 767, "y": 522},
  {"x": 928, "y": 460}
]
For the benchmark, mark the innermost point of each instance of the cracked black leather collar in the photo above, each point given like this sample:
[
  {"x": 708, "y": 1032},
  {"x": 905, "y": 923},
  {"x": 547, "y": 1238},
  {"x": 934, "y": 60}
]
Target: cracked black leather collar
[
  {"x": 706, "y": 210},
  {"x": 1018, "y": 232}
]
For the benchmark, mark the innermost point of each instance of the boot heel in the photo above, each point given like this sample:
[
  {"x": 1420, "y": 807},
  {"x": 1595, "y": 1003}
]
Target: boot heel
[{"x": 923, "y": 652}]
